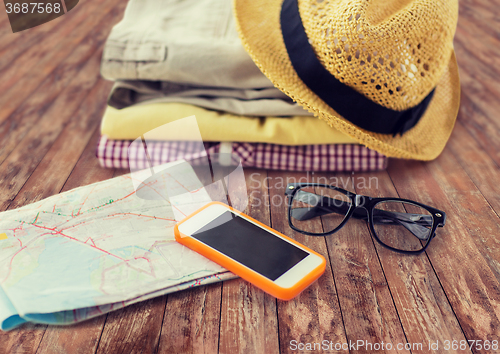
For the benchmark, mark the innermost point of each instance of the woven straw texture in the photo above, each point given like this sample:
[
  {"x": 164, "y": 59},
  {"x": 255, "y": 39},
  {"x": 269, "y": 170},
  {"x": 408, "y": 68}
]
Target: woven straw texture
[{"x": 392, "y": 51}]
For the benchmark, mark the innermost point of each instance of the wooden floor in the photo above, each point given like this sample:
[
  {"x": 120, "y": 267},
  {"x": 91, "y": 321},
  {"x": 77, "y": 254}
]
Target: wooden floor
[{"x": 51, "y": 102}]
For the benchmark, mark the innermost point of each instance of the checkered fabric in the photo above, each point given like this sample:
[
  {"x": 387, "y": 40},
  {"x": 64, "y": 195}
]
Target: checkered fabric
[{"x": 336, "y": 157}]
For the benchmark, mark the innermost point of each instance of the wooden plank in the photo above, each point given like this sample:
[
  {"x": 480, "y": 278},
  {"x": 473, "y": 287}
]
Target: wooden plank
[
  {"x": 473, "y": 212},
  {"x": 248, "y": 316},
  {"x": 191, "y": 322},
  {"x": 478, "y": 124},
  {"x": 480, "y": 168},
  {"x": 5, "y": 29},
  {"x": 479, "y": 100},
  {"x": 75, "y": 69},
  {"x": 27, "y": 338},
  {"x": 479, "y": 59},
  {"x": 79, "y": 338},
  {"x": 195, "y": 312},
  {"x": 50, "y": 48},
  {"x": 4, "y": 22},
  {"x": 467, "y": 239},
  {"x": 483, "y": 14},
  {"x": 422, "y": 306},
  {"x": 65, "y": 150},
  {"x": 49, "y": 178},
  {"x": 478, "y": 44},
  {"x": 314, "y": 315},
  {"x": 133, "y": 329},
  {"x": 20, "y": 85},
  {"x": 28, "y": 53},
  {"x": 360, "y": 279},
  {"x": 24, "y": 339},
  {"x": 87, "y": 170},
  {"x": 28, "y": 152},
  {"x": 84, "y": 337},
  {"x": 13, "y": 45}
]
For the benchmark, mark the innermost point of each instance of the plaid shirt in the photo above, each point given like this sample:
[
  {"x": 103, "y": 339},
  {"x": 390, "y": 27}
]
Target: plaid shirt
[{"x": 335, "y": 157}]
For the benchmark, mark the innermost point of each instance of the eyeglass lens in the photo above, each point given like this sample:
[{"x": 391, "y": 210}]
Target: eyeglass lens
[
  {"x": 310, "y": 202},
  {"x": 401, "y": 225}
]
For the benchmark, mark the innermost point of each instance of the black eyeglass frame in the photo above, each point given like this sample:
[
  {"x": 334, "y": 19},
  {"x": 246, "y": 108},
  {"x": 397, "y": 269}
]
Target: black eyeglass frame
[{"x": 367, "y": 203}]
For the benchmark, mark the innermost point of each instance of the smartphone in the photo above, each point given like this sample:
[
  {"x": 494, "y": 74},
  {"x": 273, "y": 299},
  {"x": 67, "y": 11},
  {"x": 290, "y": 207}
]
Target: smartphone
[{"x": 266, "y": 258}]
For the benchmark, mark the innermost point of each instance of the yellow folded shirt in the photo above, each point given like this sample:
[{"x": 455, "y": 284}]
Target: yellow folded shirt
[{"x": 132, "y": 122}]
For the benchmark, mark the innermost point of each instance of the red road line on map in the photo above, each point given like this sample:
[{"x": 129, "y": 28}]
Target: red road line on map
[
  {"x": 147, "y": 185},
  {"x": 180, "y": 184},
  {"x": 10, "y": 263},
  {"x": 146, "y": 216},
  {"x": 14, "y": 256},
  {"x": 20, "y": 227},
  {"x": 70, "y": 227},
  {"x": 77, "y": 240},
  {"x": 179, "y": 210},
  {"x": 94, "y": 246},
  {"x": 114, "y": 201},
  {"x": 90, "y": 238},
  {"x": 143, "y": 185},
  {"x": 151, "y": 268},
  {"x": 128, "y": 195},
  {"x": 88, "y": 195}
]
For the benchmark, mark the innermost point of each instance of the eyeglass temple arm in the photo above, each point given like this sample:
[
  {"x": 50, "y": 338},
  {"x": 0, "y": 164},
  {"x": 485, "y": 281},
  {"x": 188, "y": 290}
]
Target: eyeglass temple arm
[{"x": 417, "y": 224}]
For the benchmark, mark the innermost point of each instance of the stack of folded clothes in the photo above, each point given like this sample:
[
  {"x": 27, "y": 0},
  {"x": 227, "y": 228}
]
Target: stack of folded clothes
[{"x": 173, "y": 59}]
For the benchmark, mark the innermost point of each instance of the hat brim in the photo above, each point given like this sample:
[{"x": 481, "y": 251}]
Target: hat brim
[{"x": 258, "y": 23}]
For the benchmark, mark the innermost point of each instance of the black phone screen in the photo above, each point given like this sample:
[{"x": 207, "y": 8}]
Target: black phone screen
[{"x": 250, "y": 245}]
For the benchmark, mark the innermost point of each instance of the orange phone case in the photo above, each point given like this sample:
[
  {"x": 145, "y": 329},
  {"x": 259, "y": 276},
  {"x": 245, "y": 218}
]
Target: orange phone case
[{"x": 244, "y": 272}]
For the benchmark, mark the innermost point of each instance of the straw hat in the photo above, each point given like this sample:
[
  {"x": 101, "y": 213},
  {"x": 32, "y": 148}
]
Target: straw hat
[{"x": 381, "y": 71}]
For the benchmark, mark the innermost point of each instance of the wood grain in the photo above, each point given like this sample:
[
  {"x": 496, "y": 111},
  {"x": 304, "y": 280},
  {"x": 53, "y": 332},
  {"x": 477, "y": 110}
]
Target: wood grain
[
  {"x": 472, "y": 289},
  {"x": 192, "y": 317},
  {"x": 248, "y": 315},
  {"x": 314, "y": 315},
  {"x": 134, "y": 329},
  {"x": 191, "y": 322},
  {"x": 360, "y": 279},
  {"x": 30, "y": 144},
  {"x": 478, "y": 165},
  {"x": 480, "y": 87},
  {"x": 84, "y": 337},
  {"x": 13, "y": 45},
  {"x": 65, "y": 150},
  {"x": 24, "y": 339},
  {"x": 51, "y": 102},
  {"x": 79, "y": 338},
  {"x": 67, "y": 86},
  {"x": 482, "y": 15},
  {"x": 87, "y": 169},
  {"x": 46, "y": 59},
  {"x": 421, "y": 304}
]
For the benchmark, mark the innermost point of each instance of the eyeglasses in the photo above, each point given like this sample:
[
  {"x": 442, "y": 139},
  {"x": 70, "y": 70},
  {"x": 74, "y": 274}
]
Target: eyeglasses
[{"x": 401, "y": 225}]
